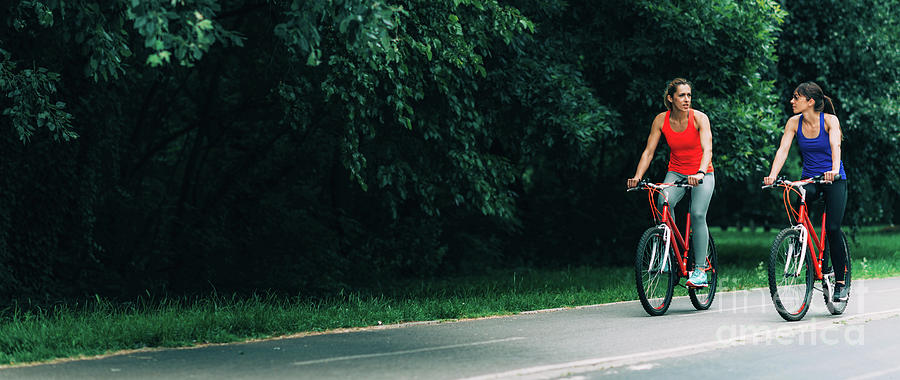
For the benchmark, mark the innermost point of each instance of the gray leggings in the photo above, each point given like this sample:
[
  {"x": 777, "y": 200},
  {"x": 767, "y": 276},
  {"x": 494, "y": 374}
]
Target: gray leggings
[{"x": 700, "y": 196}]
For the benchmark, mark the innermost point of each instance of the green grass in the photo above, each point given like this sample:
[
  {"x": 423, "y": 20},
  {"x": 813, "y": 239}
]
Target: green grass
[
  {"x": 875, "y": 252},
  {"x": 98, "y": 326}
]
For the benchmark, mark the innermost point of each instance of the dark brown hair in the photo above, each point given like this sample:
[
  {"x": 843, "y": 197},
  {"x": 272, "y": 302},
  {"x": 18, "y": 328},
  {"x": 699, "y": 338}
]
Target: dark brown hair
[{"x": 812, "y": 91}]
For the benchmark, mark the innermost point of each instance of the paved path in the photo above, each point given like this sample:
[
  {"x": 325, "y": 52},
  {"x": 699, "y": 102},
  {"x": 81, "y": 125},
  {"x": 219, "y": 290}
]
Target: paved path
[{"x": 740, "y": 336}]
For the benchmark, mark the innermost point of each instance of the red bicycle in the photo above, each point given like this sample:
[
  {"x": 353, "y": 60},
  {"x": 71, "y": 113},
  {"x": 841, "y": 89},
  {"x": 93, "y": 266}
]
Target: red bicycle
[
  {"x": 797, "y": 258},
  {"x": 663, "y": 247}
]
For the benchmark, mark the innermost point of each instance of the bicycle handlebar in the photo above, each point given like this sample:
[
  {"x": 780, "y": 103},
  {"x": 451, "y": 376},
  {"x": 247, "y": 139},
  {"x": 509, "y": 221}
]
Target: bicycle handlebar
[
  {"x": 784, "y": 181},
  {"x": 645, "y": 183}
]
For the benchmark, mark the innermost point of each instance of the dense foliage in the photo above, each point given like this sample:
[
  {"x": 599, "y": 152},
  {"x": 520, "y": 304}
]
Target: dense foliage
[
  {"x": 853, "y": 54},
  {"x": 307, "y": 146}
]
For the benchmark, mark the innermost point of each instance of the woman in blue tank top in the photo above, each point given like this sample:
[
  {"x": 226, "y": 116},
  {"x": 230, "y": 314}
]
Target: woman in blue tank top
[{"x": 818, "y": 135}]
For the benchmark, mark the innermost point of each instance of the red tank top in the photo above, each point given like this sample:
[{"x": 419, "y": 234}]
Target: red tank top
[{"x": 685, "y": 146}]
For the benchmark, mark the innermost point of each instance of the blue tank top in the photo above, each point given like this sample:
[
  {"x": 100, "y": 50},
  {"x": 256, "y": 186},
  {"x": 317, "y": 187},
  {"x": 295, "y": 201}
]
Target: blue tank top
[{"x": 816, "y": 153}]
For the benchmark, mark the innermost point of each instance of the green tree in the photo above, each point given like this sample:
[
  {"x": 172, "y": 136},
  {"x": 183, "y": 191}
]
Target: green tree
[
  {"x": 293, "y": 145},
  {"x": 315, "y": 145},
  {"x": 852, "y": 53},
  {"x": 627, "y": 51}
]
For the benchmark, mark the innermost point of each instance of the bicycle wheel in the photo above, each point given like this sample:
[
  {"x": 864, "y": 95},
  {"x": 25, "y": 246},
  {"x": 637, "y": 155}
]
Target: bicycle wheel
[
  {"x": 702, "y": 298},
  {"x": 790, "y": 280},
  {"x": 653, "y": 278},
  {"x": 828, "y": 283}
]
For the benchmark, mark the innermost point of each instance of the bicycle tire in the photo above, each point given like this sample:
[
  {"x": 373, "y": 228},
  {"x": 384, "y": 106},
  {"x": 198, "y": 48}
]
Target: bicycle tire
[
  {"x": 654, "y": 285},
  {"x": 790, "y": 293},
  {"x": 836, "y": 308},
  {"x": 702, "y": 298}
]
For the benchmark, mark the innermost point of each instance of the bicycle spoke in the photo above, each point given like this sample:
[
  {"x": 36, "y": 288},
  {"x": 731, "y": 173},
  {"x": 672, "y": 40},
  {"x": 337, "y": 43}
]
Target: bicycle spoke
[
  {"x": 702, "y": 298},
  {"x": 654, "y": 282},
  {"x": 789, "y": 291},
  {"x": 790, "y": 279},
  {"x": 655, "y": 289},
  {"x": 832, "y": 306}
]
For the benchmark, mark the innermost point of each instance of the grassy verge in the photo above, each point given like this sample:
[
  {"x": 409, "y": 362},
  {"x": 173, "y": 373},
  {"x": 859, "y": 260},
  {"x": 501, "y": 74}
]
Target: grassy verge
[{"x": 98, "y": 327}]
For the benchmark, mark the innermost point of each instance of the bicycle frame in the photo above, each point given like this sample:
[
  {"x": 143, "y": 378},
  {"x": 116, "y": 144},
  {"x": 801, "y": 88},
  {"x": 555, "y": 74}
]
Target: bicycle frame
[
  {"x": 667, "y": 223},
  {"x": 654, "y": 267},
  {"x": 681, "y": 244},
  {"x": 808, "y": 233},
  {"x": 787, "y": 283}
]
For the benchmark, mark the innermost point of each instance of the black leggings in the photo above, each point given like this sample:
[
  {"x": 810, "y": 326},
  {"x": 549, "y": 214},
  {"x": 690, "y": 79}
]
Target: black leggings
[{"x": 835, "y": 195}]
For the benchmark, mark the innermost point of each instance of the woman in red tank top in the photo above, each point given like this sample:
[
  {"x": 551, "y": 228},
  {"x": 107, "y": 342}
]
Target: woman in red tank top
[{"x": 689, "y": 137}]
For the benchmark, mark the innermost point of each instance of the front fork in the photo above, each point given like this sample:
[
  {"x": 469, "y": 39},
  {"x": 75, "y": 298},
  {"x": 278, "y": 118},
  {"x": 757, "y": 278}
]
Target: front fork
[
  {"x": 667, "y": 239},
  {"x": 804, "y": 241}
]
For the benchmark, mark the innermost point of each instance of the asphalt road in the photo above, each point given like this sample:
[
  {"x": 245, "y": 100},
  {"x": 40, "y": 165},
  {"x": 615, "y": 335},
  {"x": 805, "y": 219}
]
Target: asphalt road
[{"x": 741, "y": 336}]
